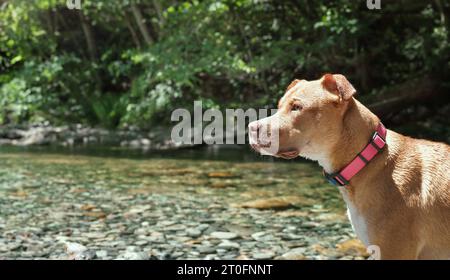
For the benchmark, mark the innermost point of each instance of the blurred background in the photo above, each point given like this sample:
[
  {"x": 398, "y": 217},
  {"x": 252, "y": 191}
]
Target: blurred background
[
  {"x": 87, "y": 167},
  {"x": 120, "y": 62}
]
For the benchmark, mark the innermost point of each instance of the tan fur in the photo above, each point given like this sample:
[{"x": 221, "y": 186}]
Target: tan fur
[{"x": 402, "y": 195}]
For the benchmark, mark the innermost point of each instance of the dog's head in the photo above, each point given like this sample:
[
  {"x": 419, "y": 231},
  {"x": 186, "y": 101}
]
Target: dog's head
[{"x": 308, "y": 120}]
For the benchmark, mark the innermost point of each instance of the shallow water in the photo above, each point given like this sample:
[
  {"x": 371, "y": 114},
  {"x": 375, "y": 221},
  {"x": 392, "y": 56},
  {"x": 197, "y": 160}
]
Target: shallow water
[
  {"x": 51, "y": 191},
  {"x": 241, "y": 174}
]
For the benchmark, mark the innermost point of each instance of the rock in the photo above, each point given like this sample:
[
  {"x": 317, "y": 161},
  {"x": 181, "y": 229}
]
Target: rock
[
  {"x": 141, "y": 231},
  {"x": 34, "y": 137},
  {"x": 42, "y": 134},
  {"x": 95, "y": 235},
  {"x": 166, "y": 223},
  {"x": 297, "y": 243},
  {"x": 352, "y": 247},
  {"x": 291, "y": 236},
  {"x": 242, "y": 257},
  {"x": 294, "y": 254},
  {"x": 177, "y": 227},
  {"x": 14, "y": 134},
  {"x": 221, "y": 175},
  {"x": 293, "y": 214},
  {"x": 131, "y": 249},
  {"x": 138, "y": 209},
  {"x": 257, "y": 236},
  {"x": 135, "y": 256},
  {"x": 6, "y": 142},
  {"x": 78, "y": 252},
  {"x": 220, "y": 185},
  {"x": 194, "y": 233},
  {"x": 310, "y": 225},
  {"x": 270, "y": 203},
  {"x": 210, "y": 257},
  {"x": 206, "y": 249},
  {"x": 146, "y": 142},
  {"x": 263, "y": 255},
  {"x": 101, "y": 254},
  {"x": 330, "y": 217},
  {"x": 95, "y": 215},
  {"x": 141, "y": 242},
  {"x": 224, "y": 235},
  {"x": 202, "y": 227},
  {"x": 226, "y": 244},
  {"x": 134, "y": 143},
  {"x": 88, "y": 255},
  {"x": 321, "y": 250},
  {"x": 74, "y": 248}
]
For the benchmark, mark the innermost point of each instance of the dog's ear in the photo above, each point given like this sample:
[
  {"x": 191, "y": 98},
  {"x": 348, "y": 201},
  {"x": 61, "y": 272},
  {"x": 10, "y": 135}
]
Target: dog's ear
[
  {"x": 338, "y": 84},
  {"x": 293, "y": 83}
]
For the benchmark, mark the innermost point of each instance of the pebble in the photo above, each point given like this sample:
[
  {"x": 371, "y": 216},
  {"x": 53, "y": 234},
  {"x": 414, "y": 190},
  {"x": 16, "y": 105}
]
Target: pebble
[
  {"x": 134, "y": 256},
  {"x": 224, "y": 235},
  {"x": 141, "y": 242},
  {"x": 206, "y": 249},
  {"x": 226, "y": 244},
  {"x": 73, "y": 249},
  {"x": 194, "y": 233},
  {"x": 291, "y": 236},
  {"x": 294, "y": 254},
  {"x": 257, "y": 236},
  {"x": 101, "y": 254},
  {"x": 263, "y": 255}
]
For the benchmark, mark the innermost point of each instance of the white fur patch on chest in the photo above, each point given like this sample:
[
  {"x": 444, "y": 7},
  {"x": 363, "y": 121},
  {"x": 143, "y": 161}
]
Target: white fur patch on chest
[{"x": 358, "y": 222}]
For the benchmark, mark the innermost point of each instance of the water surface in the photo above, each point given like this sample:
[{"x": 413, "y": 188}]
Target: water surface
[{"x": 92, "y": 196}]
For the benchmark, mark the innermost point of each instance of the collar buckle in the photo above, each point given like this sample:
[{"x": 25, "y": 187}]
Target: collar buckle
[{"x": 331, "y": 178}]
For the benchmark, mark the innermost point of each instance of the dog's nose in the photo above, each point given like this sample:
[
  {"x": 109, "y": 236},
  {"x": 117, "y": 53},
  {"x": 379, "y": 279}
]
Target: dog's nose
[{"x": 253, "y": 126}]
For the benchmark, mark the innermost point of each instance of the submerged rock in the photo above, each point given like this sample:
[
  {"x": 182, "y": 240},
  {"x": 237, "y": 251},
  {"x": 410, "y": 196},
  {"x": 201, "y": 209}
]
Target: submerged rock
[
  {"x": 77, "y": 251},
  {"x": 263, "y": 255},
  {"x": 270, "y": 203},
  {"x": 193, "y": 233},
  {"x": 226, "y": 244},
  {"x": 294, "y": 254},
  {"x": 134, "y": 256},
  {"x": 224, "y": 235},
  {"x": 352, "y": 247}
]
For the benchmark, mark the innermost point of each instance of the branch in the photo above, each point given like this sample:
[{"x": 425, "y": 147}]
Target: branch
[{"x": 425, "y": 90}]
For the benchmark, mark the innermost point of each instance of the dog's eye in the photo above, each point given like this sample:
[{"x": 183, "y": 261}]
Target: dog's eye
[{"x": 296, "y": 107}]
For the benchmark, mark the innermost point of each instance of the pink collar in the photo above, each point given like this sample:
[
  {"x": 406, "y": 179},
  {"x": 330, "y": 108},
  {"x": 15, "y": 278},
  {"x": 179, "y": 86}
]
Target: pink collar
[{"x": 375, "y": 145}]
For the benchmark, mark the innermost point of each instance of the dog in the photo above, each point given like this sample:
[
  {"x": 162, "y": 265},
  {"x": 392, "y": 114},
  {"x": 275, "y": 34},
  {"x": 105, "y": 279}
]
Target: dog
[{"x": 397, "y": 189}]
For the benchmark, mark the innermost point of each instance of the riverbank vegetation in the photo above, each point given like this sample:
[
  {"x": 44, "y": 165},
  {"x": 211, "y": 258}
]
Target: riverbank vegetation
[{"x": 115, "y": 63}]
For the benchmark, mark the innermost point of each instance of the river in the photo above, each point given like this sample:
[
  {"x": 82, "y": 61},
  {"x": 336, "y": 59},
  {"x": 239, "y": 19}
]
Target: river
[{"x": 205, "y": 203}]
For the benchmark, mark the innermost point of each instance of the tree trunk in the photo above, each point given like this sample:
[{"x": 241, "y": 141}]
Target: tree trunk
[
  {"x": 92, "y": 46},
  {"x": 158, "y": 9},
  {"x": 62, "y": 25},
  {"x": 132, "y": 31},
  {"x": 423, "y": 91},
  {"x": 141, "y": 24},
  {"x": 90, "y": 40}
]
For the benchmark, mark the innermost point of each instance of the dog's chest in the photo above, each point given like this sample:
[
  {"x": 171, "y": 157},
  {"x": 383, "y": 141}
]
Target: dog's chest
[{"x": 358, "y": 221}]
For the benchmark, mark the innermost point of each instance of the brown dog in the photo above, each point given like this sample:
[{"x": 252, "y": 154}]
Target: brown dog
[{"x": 399, "y": 197}]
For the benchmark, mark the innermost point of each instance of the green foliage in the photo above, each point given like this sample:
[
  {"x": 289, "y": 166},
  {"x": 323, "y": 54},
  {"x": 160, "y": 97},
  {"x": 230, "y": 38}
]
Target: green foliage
[{"x": 102, "y": 65}]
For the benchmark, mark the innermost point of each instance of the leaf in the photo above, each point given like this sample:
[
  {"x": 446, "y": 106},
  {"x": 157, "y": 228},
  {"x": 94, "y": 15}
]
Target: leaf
[{"x": 16, "y": 59}]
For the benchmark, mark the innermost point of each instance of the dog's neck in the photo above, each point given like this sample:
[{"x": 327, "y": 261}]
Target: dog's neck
[{"x": 358, "y": 125}]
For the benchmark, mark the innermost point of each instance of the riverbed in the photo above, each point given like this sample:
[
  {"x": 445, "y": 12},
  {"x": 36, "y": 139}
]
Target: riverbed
[{"x": 206, "y": 203}]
